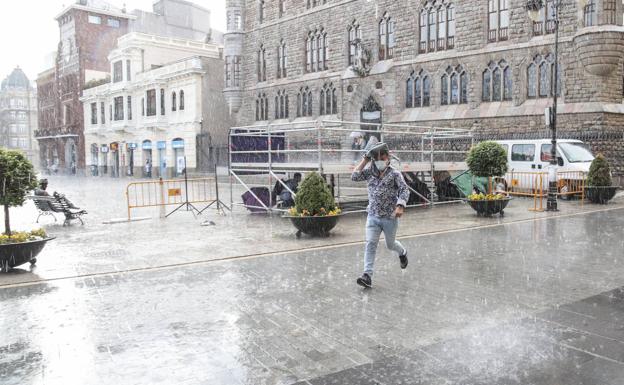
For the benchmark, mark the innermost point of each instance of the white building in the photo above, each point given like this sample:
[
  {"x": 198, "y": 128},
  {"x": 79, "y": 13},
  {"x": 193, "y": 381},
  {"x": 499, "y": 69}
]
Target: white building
[{"x": 164, "y": 96}]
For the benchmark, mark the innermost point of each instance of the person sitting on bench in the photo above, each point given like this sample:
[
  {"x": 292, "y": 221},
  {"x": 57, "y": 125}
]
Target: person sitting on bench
[{"x": 42, "y": 192}]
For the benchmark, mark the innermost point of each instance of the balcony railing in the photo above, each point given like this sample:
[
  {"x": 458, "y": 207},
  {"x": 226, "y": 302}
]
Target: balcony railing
[
  {"x": 538, "y": 28},
  {"x": 423, "y": 47},
  {"x": 500, "y": 34},
  {"x": 450, "y": 42}
]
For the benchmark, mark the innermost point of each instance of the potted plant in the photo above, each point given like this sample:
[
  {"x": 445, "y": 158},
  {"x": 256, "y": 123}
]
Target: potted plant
[
  {"x": 17, "y": 178},
  {"x": 315, "y": 212},
  {"x": 488, "y": 159},
  {"x": 599, "y": 184}
]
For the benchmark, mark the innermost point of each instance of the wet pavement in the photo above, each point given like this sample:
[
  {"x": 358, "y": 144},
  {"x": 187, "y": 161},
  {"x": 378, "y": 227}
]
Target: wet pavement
[{"x": 519, "y": 301}]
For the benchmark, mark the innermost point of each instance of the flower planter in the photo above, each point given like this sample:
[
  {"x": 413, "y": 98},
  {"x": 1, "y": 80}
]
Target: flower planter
[
  {"x": 488, "y": 208},
  {"x": 315, "y": 226},
  {"x": 600, "y": 195},
  {"x": 15, "y": 254}
]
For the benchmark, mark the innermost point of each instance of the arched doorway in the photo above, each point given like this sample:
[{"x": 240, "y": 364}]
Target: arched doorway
[
  {"x": 178, "y": 154},
  {"x": 71, "y": 156},
  {"x": 95, "y": 157},
  {"x": 147, "y": 158},
  {"x": 371, "y": 118},
  {"x": 114, "y": 150}
]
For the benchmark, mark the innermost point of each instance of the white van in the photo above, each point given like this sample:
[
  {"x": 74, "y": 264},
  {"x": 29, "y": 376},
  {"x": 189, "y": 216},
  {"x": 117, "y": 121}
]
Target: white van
[{"x": 534, "y": 156}]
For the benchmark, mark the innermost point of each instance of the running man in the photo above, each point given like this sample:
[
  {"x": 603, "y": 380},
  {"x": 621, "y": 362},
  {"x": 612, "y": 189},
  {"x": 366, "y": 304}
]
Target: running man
[{"x": 387, "y": 197}]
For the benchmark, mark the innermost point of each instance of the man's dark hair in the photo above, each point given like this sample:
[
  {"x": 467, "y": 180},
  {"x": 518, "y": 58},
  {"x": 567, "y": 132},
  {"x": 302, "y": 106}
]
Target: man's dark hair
[
  {"x": 43, "y": 183},
  {"x": 297, "y": 175}
]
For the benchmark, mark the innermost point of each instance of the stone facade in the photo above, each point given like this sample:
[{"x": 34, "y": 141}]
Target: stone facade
[
  {"x": 591, "y": 61},
  {"x": 18, "y": 114}
]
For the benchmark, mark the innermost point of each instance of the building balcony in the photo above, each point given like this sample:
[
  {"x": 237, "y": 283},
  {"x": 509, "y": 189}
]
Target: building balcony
[{"x": 600, "y": 48}]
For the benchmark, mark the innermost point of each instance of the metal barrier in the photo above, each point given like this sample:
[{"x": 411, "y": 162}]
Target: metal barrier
[
  {"x": 572, "y": 183},
  {"x": 528, "y": 184},
  {"x": 180, "y": 192}
]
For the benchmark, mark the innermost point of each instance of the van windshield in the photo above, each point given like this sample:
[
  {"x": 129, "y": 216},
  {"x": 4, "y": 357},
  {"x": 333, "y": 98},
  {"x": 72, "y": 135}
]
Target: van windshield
[{"x": 576, "y": 152}]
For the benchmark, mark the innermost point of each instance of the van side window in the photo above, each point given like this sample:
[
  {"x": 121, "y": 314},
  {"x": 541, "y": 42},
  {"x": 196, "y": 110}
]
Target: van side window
[
  {"x": 545, "y": 155},
  {"x": 523, "y": 152}
]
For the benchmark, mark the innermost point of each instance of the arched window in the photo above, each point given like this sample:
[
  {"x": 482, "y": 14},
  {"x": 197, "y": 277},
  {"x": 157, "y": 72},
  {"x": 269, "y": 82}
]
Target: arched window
[
  {"x": 281, "y": 105},
  {"x": 454, "y": 86},
  {"x": 498, "y": 20},
  {"x": 354, "y": 34},
  {"x": 261, "y": 64},
  {"x": 261, "y": 4},
  {"x": 610, "y": 12},
  {"x": 590, "y": 16},
  {"x": 316, "y": 51},
  {"x": 174, "y": 102},
  {"x": 162, "y": 101},
  {"x": 540, "y": 74},
  {"x": 181, "y": 100},
  {"x": 497, "y": 82},
  {"x": 437, "y": 26},
  {"x": 545, "y": 23},
  {"x": 329, "y": 101},
  {"x": 304, "y": 102},
  {"x": 281, "y": 8},
  {"x": 282, "y": 59},
  {"x": 262, "y": 107},
  {"x": 418, "y": 90},
  {"x": 386, "y": 38}
]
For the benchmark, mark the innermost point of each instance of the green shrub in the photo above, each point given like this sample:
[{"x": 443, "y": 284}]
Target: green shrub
[
  {"x": 17, "y": 178},
  {"x": 487, "y": 159},
  {"x": 599, "y": 173},
  {"x": 314, "y": 197}
]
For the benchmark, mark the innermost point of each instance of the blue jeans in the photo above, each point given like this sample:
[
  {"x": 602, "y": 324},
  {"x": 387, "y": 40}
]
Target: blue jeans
[{"x": 374, "y": 227}]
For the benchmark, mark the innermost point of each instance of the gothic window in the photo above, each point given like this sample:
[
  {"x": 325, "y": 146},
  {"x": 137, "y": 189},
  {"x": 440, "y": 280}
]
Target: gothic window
[
  {"x": 281, "y": 7},
  {"x": 236, "y": 75},
  {"x": 609, "y": 12},
  {"x": 454, "y": 86},
  {"x": 437, "y": 26},
  {"x": 498, "y": 20},
  {"x": 354, "y": 35},
  {"x": 281, "y": 105},
  {"x": 117, "y": 71},
  {"x": 162, "y": 101},
  {"x": 261, "y": 64},
  {"x": 151, "y": 102},
  {"x": 316, "y": 51},
  {"x": 262, "y": 107},
  {"x": 540, "y": 77},
  {"x": 546, "y": 20},
  {"x": 282, "y": 60},
  {"x": 497, "y": 82},
  {"x": 261, "y": 4},
  {"x": 119, "y": 110},
  {"x": 181, "y": 100},
  {"x": 174, "y": 102},
  {"x": 129, "y": 107},
  {"x": 589, "y": 14},
  {"x": 304, "y": 102},
  {"x": 94, "y": 112},
  {"x": 329, "y": 101},
  {"x": 418, "y": 90},
  {"x": 386, "y": 38},
  {"x": 228, "y": 71}
]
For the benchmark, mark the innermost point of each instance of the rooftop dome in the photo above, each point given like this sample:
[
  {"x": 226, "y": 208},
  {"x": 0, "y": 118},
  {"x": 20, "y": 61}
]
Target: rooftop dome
[{"x": 17, "y": 79}]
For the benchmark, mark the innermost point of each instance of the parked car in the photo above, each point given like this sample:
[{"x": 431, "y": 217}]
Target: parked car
[{"x": 534, "y": 156}]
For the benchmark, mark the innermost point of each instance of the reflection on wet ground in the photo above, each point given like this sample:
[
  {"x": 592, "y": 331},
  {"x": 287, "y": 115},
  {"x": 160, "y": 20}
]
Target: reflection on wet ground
[{"x": 535, "y": 302}]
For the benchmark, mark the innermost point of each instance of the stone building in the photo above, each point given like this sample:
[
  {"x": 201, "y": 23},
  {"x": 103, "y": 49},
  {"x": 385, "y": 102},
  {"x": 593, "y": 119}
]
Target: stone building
[
  {"x": 89, "y": 30},
  {"x": 162, "y": 107},
  {"x": 478, "y": 64},
  {"x": 18, "y": 114}
]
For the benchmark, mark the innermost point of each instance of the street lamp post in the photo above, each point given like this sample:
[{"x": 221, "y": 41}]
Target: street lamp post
[{"x": 533, "y": 7}]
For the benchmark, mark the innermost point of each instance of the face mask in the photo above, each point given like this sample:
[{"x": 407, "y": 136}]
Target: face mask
[{"x": 381, "y": 165}]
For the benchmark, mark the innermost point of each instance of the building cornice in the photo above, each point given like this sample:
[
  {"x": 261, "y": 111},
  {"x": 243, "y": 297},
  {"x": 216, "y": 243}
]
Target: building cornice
[{"x": 95, "y": 10}]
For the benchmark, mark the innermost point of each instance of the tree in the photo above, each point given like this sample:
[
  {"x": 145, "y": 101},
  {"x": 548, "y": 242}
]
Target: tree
[
  {"x": 17, "y": 178},
  {"x": 599, "y": 173},
  {"x": 487, "y": 159},
  {"x": 314, "y": 195}
]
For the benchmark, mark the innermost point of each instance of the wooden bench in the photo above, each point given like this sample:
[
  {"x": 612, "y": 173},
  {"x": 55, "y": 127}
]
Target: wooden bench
[{"x": 48, "y": 205}]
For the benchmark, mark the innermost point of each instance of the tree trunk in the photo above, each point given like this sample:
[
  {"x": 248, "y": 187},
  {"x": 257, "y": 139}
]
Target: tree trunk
[{"x": 7, "y": 222}]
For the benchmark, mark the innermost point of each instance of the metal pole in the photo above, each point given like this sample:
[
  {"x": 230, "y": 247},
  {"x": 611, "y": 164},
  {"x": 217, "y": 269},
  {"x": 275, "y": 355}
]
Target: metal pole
[
  {"x": 270, "y": 164},
  {"x": 230, "y": 170},
  {"x": 319, "y": 146},
  {"x": 551, "y": 203}
]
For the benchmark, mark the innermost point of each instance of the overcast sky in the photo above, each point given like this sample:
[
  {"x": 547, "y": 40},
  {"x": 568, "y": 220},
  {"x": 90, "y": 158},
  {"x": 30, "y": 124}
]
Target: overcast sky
[{"x": 29, "y": 31}]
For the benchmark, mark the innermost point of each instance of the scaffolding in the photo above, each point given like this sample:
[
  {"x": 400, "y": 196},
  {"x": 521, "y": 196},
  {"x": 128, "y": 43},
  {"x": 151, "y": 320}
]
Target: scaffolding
[{"x": 262, "y": 155}]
